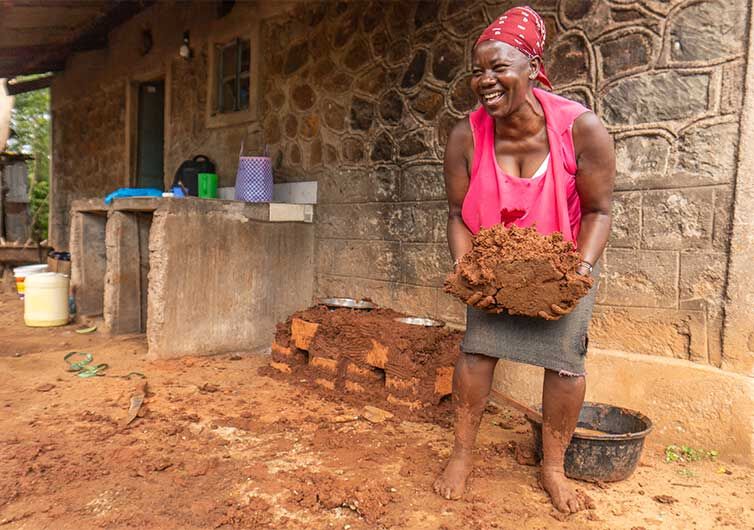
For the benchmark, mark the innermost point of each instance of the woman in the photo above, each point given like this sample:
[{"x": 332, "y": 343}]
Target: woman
[{"x": 526, "y": 157}]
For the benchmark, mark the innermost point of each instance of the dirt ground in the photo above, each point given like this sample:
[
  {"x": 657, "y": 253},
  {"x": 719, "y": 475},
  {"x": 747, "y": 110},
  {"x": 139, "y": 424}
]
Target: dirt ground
[{"x": 220, "y": 446}]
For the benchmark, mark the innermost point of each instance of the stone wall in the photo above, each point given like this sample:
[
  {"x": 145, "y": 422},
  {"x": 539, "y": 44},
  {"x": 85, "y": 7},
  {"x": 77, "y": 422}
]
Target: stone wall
[
  {"x": 87, "y": 157},
  {"x": 363, "y": 94},
  {"x": 360, "y": 96}
]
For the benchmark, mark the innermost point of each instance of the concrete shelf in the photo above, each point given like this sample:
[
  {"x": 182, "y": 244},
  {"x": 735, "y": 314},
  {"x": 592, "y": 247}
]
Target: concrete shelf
[{"x": 198, "y": 276}]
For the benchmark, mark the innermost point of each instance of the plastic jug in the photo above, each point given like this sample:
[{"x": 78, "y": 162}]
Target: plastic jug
[
  {"x": 46, "y": 300},
  {"x": 20, "y": 273}
]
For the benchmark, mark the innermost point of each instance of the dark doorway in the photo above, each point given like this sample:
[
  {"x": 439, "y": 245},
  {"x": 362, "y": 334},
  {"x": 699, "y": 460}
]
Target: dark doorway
[{"x": 151, "y": 136}]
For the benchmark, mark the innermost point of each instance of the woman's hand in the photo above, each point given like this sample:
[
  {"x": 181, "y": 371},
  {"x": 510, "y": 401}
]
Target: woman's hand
[
  {"x": 559, "y": 311},
  {"x": 484, "y": 302}
]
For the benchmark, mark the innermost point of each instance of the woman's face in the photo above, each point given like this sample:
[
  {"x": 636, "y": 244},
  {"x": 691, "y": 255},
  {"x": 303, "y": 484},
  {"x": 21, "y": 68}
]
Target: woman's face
[{"x": 500, "y": 77}]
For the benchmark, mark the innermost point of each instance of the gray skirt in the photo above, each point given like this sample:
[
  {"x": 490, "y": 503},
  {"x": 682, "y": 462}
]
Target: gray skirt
[{"x": 558, "y": 345}]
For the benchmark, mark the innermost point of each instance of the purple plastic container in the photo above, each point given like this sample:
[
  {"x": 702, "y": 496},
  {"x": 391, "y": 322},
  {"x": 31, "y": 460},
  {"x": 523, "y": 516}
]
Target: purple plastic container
[{"x": 254, "y": 179}]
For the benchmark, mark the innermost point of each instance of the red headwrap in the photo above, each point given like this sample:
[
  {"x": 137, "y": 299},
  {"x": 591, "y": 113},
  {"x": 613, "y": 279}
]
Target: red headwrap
[{"x": 524, "y": 29}]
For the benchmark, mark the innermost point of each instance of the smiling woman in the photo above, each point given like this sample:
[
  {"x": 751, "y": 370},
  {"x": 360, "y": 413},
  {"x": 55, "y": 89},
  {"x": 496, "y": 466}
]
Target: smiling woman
[{"x": 530, "y": 158}]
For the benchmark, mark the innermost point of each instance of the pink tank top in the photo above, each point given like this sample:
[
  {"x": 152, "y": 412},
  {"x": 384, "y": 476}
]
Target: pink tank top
[{"x": 548, "y": 202}]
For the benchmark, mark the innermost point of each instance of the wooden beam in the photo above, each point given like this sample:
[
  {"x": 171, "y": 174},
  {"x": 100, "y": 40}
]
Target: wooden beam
[
  {"x": 28, "y": 86},
  {"x": 52, "y": 57},
  {"x": 30, "y": 51},
  {"x": 11, "y": 71}
]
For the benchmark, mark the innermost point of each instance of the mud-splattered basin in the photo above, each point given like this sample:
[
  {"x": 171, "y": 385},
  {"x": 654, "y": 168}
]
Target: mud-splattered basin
[
  {"x": 606, "y": 456},
  {"x": 421, "y": 321},
  {"x": 349, "y": 303}
]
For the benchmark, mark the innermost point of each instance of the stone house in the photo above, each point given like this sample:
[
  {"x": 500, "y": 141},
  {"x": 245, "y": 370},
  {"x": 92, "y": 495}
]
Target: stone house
[{"x": 359, "y": 96}]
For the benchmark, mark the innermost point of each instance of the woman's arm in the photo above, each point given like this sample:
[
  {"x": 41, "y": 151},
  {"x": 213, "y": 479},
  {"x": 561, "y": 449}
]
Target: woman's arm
[
  {"x": 458, "y": 153},
  {"x": 456, "y": 169},
  {"x": 595, "y": 178}
]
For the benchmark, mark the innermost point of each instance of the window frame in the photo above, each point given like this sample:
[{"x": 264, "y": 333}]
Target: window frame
[{"x": 249, "y": 33}]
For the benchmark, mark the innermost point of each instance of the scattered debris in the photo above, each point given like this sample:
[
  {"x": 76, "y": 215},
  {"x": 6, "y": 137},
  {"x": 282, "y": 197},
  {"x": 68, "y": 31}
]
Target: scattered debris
[
  {"x": 209, "y": 388},
  {"x": 46, "y": 387},
  {"x": 664, "y": 499},
  {"x": 83, "y": 331},
  {"x": 684, "y": 453},
  {"x": 375, "y": 415},
  {"x": 526, "y": 455},
  {"x": 235, "y": 357},
  {"x": 137, "y": 400}
]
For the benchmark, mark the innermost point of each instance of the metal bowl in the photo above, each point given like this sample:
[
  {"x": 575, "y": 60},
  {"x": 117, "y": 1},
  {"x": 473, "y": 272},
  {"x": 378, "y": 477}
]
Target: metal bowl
[
  {"x": 420, "y": 321},
  {"x": 349, "y": 303}
]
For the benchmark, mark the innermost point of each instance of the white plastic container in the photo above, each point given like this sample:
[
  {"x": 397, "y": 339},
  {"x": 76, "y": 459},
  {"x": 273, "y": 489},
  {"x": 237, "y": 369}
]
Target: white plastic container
[
  {"x": 20, "y": 273},
  {"x": 46, "y": 300}
]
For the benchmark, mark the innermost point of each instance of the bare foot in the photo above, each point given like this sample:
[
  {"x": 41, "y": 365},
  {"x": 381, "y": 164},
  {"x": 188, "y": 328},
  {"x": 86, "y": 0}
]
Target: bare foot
[
  {"x": 563, "y": 495},
  {"x": 452, "y": 483}
]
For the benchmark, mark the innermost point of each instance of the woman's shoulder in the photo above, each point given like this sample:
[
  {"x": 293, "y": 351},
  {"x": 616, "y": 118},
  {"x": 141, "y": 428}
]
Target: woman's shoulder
[
  {"x": 561, "y": 111},
  {"x": 462, "y": 131}
]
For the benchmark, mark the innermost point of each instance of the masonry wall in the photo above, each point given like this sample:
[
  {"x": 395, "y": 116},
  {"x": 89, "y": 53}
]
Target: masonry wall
[
  {"x": 369, "y": 111},
  {"x": 360, "y": 96}
]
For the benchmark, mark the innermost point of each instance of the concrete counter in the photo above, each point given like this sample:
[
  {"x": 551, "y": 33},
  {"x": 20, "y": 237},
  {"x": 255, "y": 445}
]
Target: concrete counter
[{"x": 198, "y": 276}]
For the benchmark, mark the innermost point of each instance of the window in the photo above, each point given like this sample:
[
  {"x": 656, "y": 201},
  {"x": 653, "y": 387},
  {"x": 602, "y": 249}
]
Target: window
[
  {"x": 233, "y": 73},
  {"x": 233, "y": 77}
]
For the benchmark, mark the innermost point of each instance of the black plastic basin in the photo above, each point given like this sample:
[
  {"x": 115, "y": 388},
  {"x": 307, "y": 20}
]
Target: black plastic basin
[{"x": 607, "y": 457}]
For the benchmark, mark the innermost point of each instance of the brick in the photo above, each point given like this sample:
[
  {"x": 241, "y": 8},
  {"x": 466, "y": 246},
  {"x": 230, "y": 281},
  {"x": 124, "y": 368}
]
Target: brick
[
  {"x": 354, "y": 387},
  {"x": 421, "y": 222},
  {"x": 444, "y": 381},
  {"x": 284, "y": 351},
  {"x": 364, "y": 373},
  {"x": 402, "y": 386},
  {"x": 382, "y": 257},
  {"x": 702, "y": 281},
  {"x": 375, "y": 415},
  {"x": 377, "y": 356},
  {"x": 324, "y": 383},
  {"x": 352, "y": 221},
  {"x": 339, "y": 185},
  {"x": 423, "y": 182},
  {"x": 450, "y": 309},
  {"x": 642, "y": 161},
  {"x": 707, "y": 154},
  {"x": 412, "y": 405},
  {"x": 281, "y": 367},
  {"x": 677, "y": 219},
  {"x": 425, "y": 264},
  {"x": 640, "y": 278},
  {"x": 328, "y": 365},
  {"x": 626, "y": 213},
  {"x": 302, "y": 333},
  {"x": 327, "y": 252},
  {"x": 414, "y": 300}
]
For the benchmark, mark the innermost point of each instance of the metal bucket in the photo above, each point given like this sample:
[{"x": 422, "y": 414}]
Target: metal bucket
[{"x": 608, "y": 456}]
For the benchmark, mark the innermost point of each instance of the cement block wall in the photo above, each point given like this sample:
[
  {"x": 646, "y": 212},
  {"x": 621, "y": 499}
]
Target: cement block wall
[{"x": 360, "y": 96}]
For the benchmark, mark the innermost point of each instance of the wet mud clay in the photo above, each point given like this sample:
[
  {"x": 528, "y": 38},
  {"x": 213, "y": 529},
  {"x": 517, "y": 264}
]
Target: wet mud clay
[
  {"x": 221, "y": 447},
  {"x": 367, "y": 353},
  {"x": 525, "y": 271}
]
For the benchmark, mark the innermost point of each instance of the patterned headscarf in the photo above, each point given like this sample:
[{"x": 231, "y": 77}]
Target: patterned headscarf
[{"x": 524, "y": 29}]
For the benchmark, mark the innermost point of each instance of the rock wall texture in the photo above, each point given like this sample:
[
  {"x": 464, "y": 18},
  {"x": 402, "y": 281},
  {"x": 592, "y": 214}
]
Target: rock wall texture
[
  {"x": 360, "y": 96},
  {"x": 87, "y": 156},
  {"x": 363, "y": 94}
]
